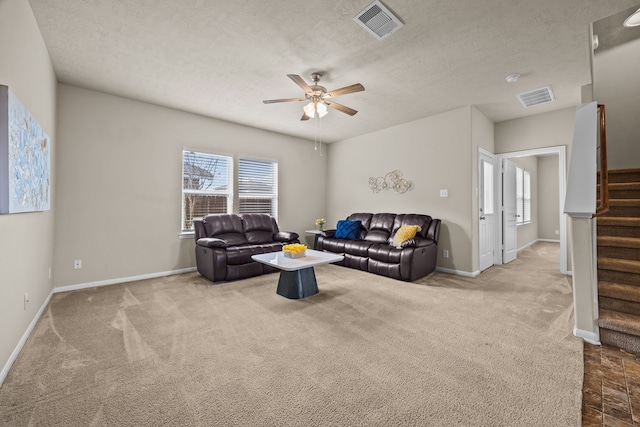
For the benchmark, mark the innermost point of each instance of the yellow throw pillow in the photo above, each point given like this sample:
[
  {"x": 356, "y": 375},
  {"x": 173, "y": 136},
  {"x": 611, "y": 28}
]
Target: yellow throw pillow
[{"x": 405, "y": 232}]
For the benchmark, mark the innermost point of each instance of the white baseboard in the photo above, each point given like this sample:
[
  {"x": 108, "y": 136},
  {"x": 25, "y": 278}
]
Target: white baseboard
[
  {"x": 23, "y": 340},
  {"x": 548, "y": 240},
  {"x": 590, "y": 337},
  {"x": 121, "y": 280},
  {"x": 458, "y": 272},
  {"x": 25, "y": 336}
]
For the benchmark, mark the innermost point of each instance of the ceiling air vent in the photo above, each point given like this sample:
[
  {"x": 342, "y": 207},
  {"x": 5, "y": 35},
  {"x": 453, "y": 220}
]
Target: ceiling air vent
[
  {"x": 536, "y": 97},
  {"x": 378, "y": 20}
]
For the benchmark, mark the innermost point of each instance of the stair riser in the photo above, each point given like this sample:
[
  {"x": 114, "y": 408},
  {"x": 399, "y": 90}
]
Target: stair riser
[
  {"x": 619, "y": 277},
  {"x": 620, "y": 339},
  {"x": 628, "y": 211},
  {"x": 618, "y": 231},
  {"x": 624, "y": 194},
  {"x": 619, "y": 253},
  {"x": 632, "y": 176},
  {"x": 622, "y": 306}
]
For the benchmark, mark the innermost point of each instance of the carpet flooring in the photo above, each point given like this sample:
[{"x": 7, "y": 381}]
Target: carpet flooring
[{"x": 495, "y": 350}]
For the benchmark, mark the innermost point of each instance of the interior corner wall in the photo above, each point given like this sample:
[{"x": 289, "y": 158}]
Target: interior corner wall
[
  {"x": 120, "y": 179},
  {"x": 27, "y": 238},
  {"x": 435, "y": 153}
]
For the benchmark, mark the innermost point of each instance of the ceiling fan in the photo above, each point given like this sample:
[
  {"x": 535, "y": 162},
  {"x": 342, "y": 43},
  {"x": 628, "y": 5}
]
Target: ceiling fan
[{"x": 318, "y": 97}]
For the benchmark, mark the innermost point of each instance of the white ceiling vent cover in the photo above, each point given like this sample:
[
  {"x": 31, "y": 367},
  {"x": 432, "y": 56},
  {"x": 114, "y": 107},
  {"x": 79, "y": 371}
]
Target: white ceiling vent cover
[
  {"x": 378, "y": 20},
  {"x": 536, "y": 97}
]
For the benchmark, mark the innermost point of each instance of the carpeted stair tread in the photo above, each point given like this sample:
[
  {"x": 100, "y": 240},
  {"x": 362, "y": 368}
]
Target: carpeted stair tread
[
  {"x": 619, "y": 291},
  {"x": 621, "y": 322},
  {"x": 623, "y": 175},
  {"x": 624, "y": 202},
  {"x": 625, "y": 265},
  {"x": 619, "y": 221},
  {"x": 620, "y": 242}
]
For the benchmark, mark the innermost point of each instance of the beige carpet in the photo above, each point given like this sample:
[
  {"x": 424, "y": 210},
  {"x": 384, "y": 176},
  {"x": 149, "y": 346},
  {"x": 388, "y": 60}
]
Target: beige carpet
[{"x": 496, "y": 350}]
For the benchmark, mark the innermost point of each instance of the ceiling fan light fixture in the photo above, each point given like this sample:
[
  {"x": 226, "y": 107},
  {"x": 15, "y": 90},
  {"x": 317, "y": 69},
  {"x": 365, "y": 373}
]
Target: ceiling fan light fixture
[
  {"x": 309, "y": 110},
  {"x": 321, "y": 108},
  {"x": 633, "y": 20}
]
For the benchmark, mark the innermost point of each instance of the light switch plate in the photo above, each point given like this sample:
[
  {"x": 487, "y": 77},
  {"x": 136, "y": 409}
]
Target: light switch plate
[{"x": 444, "y": 193}]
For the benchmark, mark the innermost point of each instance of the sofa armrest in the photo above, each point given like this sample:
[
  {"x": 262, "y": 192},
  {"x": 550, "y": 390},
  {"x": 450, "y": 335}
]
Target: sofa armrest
[
  {"x": 211, "y": 242},
  {"x": 417, "y": 242},
  {"x": 328, "y": 233},
  {"x": 433, "y": 232},
  {"x": 285, "y": 236}
]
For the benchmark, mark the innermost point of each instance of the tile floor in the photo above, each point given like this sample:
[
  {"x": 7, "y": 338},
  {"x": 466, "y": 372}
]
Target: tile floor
[{"x": 611, "y": 391}]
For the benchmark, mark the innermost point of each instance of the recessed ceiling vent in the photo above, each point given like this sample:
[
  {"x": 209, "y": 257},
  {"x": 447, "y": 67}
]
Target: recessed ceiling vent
[
  {"x": 536, "y": 97},
  {"x": 378, "y": 20}
]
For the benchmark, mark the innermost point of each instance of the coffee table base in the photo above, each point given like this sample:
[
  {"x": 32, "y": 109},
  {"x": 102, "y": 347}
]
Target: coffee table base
[{"x": 297, "y": 284}]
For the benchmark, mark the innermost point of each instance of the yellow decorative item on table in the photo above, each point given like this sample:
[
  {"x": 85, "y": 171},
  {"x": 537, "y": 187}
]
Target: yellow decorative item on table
[{"x": 294, "y": 250}]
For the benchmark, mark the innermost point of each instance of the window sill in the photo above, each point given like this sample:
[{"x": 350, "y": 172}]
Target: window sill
[{"x": 186, "y": 235}]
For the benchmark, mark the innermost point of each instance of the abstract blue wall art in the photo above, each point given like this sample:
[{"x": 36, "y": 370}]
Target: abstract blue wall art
[{"x": 25, "y": 184}]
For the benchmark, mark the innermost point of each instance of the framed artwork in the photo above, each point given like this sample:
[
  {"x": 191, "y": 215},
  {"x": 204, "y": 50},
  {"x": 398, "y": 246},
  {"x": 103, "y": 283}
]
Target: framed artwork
[{"x": 25, "y": 181}]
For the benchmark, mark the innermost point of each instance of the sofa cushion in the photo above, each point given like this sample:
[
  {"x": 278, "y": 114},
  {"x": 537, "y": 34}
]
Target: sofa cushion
[
  {"x": 258, "y": 228},
  {"x": 403, "y": 234},
  {"x": 347, "y": 229},
  {"x": 413, "y": 219},
  {"x": 227, "y": 227},
  {"x": 380, "y": 228},
  {"x": 365, "y": 219},
  {"x": 238, "y": 255}
]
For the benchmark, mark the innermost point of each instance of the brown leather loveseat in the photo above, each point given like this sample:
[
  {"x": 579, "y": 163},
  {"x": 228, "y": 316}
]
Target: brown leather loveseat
[
  {"x": 371, "y": 251},
  {"x": 225, "y": 243}
]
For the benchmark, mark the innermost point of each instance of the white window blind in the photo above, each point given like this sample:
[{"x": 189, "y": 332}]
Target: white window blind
[
  {"x": 207, "y": 186},
  {"x": 523, "y": 196},
  {"x": 258, "y": 186}
]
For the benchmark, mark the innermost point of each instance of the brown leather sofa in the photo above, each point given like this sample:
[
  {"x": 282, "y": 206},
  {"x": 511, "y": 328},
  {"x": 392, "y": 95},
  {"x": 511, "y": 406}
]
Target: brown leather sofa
[
  {"x": 225, "y": 243},
  {"x": 373, "y": 253}
]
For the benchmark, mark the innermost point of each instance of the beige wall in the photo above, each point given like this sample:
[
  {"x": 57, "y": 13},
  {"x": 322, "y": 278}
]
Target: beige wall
[
  {"x": 539, "y": 131},
  {"x": 548, "y": 205},
  {"x": 27, "y": 238},
  {"x": 436, "y": 153},
  {"x": 482, "y": 136},
  {"x": 119, "y": 183},
  {"x": 616, "y": 83}
]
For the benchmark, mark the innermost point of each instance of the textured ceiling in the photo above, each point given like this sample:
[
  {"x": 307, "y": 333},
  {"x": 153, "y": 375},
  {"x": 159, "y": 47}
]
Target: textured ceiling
[{"x": 222, "y": 58}]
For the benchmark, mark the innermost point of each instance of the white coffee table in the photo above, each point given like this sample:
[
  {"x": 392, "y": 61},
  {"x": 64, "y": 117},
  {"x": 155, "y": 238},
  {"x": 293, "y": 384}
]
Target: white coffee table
[{"x": 297, "y": 278}]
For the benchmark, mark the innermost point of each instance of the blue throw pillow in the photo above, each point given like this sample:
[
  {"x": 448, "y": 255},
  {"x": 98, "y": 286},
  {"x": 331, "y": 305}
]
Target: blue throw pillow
[{"x": 347, "y": 229}]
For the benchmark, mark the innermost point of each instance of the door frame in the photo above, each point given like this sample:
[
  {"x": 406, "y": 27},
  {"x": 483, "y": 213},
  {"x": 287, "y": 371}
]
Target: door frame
[{"x": 560, "y": 151}]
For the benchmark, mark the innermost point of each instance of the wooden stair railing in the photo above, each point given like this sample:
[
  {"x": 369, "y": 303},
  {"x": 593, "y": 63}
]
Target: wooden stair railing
[{"x": 603, "y": 201}]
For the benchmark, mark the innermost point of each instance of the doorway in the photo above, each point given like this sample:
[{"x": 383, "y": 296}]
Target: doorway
[
  {"x": 486, "y": 207},
  {"x": 500, "y": 234}
]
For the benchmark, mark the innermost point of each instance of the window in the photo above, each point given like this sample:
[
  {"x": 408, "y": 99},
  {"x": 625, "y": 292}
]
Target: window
[
  {"x": 523, "y": 196},
  {"x": 258, "y": 186},
  {"x": 207, "y": 186}
]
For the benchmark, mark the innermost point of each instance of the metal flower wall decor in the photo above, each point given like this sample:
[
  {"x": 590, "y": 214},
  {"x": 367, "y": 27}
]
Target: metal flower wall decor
[{"x": 392, "y": 180}]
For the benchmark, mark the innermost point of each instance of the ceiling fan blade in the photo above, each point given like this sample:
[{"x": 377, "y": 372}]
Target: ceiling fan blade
[
  {"x": 345, "y": 90},
  {"x": 304, "y": 117},
  {"x": 271, "y": 101},
  {"x": 300, "y": 82},
  {"x": 340, "y": 107}
]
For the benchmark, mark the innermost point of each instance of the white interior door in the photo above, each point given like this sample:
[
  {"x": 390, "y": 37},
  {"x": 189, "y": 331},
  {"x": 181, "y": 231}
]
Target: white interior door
[
  {"x": 509, "y": 213},
  {"x": 486, "y": 210}
]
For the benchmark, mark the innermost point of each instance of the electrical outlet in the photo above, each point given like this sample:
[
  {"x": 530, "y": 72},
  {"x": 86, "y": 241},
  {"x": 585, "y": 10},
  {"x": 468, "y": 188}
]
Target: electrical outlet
[
  {"x": 77, "y": 264},
  {"x": 557, "y": 232},
  {"x": 445, "y": 253},
  {"x": 26, "y": 300}
]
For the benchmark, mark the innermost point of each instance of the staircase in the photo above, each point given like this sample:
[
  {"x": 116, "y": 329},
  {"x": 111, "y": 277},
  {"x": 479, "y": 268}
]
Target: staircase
[{"x": 619, "y": 262}]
